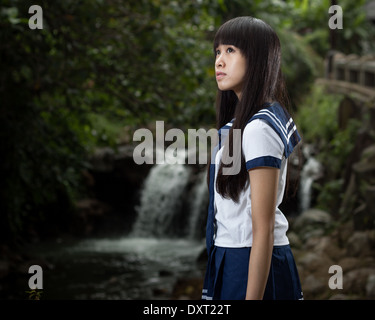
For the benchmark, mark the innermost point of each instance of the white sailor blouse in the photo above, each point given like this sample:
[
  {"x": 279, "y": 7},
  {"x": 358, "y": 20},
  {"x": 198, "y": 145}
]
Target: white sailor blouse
[{"x": 268, "y": 140}]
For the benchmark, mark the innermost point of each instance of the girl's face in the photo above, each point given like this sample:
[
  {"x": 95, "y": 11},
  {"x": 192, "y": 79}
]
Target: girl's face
[{"x": 230, "y": 68}]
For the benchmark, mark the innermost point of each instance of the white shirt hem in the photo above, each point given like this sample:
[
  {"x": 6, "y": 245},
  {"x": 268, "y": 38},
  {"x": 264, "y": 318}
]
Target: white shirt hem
[{"x": 246, "y": 245}]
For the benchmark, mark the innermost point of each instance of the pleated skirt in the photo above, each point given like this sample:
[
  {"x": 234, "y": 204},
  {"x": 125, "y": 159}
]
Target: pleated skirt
[{"x": 227, "y": 274}]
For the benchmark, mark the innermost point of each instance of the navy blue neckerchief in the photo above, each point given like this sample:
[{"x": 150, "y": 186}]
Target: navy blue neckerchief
[{"x": 283, "y": 125}]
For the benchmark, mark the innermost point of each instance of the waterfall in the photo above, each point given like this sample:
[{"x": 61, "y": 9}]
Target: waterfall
[
  {"x": 198, "y": 208},
  {"x": 161, "y": 199},
  {"x": 172, "y": 203},
  {"x": 311, "y": 171}
]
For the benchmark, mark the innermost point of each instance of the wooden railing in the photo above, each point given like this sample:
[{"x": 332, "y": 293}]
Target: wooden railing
[
  {"x": 350, "y": 74},
  {"x": 354, "y": 69}
]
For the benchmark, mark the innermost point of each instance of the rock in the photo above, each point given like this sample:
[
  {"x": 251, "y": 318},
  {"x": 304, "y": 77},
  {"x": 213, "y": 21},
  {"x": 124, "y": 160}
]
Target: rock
[
  {"x": 356, "y": 281},
  {"x": 325, "y": 246},
  {"x": 92, "y": 207},
  {"x": 339, "y": 296},
  {"x": 102, "y": 159},
  {"x": 165, "y": 273},
  {"x": 359, "y": 244},
  {"x": 344, "y": 232},
  {"x": 313, "y": 262},
  {"x": 91, "y": 214},
  {"x": 349, "y": 263},
  {"x": 370, "y": 287},
  {"x": 312, "y": 218},
  {"x": 117, "y": 180},
  {"x": 312, "y": 286},
  {"x": 188, "y": 288}
]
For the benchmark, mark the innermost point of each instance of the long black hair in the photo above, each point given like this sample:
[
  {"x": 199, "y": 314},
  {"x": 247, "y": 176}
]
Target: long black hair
[{"x": 263, "y": 82}]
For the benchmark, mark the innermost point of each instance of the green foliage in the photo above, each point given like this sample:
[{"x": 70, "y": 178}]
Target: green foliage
[
  {"x": 34, "y": 294},
  {"x": 320, "y": 109},
  {"x": 317, "y": 119},
  {"x": 300, "y": 64},
  {"x": 95, "y": 68},
  {"x": 98, "y": 67}
]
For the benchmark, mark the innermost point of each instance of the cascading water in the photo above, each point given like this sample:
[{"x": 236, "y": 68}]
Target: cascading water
[
  {"x": 198, "y": 208},
  {"x": 172, "y": 203},
  {"x": 161, "y": 200},
  {"x": 311, "y": 171}
]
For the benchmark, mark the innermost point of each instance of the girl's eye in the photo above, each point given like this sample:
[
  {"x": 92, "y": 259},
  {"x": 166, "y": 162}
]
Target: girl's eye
[{"x": 229, "y": 50}]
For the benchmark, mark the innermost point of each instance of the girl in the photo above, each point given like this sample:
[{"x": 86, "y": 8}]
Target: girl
[{"x": 248, "y": 251}]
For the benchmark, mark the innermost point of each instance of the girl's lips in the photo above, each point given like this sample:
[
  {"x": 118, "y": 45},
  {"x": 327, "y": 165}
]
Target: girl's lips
[{"x": 220, "y": 75}]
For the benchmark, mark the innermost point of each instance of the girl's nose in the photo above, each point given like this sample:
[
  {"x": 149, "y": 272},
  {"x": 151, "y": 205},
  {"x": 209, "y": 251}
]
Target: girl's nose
[{"x": 219, "y": 62}]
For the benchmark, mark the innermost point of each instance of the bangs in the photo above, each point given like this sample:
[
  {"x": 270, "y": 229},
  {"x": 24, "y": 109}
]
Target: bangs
[{"x": 234, "y": 32}]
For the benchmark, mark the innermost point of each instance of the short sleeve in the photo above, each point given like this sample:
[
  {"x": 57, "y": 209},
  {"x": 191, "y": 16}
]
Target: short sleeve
[{"x": 261, "y": 145}]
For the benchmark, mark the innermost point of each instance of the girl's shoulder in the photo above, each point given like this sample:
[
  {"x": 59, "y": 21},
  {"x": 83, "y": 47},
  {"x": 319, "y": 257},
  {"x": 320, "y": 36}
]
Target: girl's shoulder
[{"x": 274, "y": 119}]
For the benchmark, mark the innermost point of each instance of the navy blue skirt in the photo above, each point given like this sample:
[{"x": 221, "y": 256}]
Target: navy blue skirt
[{"x": 227, "y": 274}]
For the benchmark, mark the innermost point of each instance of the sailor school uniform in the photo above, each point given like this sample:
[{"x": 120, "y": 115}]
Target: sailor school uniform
[{"x": 268, "y": 140}]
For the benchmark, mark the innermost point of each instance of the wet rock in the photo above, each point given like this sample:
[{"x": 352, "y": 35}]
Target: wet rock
[
  {"x": 91, "y": 207},
  {"x": 165, "y": 273},
  {"x": 188, "y": 289},
  {"x": 114, "y": 177},
  {"x": 91, "y": 213},
  {"x": 160, "y": 292}
]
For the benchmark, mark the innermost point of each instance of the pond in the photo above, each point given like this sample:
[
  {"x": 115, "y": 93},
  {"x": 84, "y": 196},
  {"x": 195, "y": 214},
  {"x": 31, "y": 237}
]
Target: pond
[{"x": 117, "y": 268}]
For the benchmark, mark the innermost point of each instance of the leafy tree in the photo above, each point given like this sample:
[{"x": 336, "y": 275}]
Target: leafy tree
[{"x": 129, "y": 62}]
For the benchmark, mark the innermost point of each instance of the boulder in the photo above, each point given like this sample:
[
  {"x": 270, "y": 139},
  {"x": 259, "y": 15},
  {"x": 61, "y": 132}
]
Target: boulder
[
  {"x": 370, "y": 287},
  {"x": 311, "y": 223},
  {"x": 312, "y": 286},
  {"x": 359, "y": 244},
  {"x": 356, "y": 281}
]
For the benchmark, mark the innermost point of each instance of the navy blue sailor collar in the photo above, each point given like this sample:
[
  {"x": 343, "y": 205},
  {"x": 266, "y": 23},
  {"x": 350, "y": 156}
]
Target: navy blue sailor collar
[{"x": 280, "y": 120}]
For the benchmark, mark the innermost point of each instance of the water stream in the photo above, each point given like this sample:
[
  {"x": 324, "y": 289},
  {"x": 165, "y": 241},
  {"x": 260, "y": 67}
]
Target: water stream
[
  {"x": 163, "y": 246},
  {"x": 118, "y": 268}
]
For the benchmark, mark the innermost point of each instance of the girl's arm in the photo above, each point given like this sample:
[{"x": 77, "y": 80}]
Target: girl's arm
[{"x": 263, "y": 184}]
